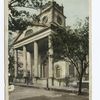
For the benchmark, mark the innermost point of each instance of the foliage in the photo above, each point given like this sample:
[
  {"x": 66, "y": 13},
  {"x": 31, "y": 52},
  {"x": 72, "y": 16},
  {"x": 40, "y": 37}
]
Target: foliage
[
  {"x": 73, "y": 45},
  {"x": 11, "y": 68},
  {"x": 34, "y": 4},
  {"x": 19, "y": 16}
]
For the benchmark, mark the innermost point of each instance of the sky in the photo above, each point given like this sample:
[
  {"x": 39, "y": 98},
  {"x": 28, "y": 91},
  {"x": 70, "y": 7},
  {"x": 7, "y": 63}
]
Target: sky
[{"x": 75, "y": 10}]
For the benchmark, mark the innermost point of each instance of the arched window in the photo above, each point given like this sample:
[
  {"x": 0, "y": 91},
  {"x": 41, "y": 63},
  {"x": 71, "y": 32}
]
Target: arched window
[
  {"x": 29, "y": 32},
  {"x": 58, "y": 71},
  {"x": 45, "y": 19}
]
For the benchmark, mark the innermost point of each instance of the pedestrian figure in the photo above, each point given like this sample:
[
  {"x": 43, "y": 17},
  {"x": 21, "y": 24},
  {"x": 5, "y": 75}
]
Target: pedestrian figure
[
  {"x": 25, "y": 76},
  {"x": 28, "y": 77}
]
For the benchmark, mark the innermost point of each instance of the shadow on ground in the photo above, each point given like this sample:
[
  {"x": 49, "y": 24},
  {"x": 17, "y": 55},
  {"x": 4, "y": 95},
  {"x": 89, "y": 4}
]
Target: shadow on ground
[
  {"x": 64, "y": 97},
  {"x": 26, "y": 93}
]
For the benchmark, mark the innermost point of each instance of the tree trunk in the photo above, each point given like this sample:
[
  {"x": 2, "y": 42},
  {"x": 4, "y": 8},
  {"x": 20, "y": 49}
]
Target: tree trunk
[
  {"x": 80, "y": 85},
  {"x": 80, "y": 79}
]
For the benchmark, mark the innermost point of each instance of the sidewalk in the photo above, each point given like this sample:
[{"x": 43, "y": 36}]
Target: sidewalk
[
  {"x": 27, "y": 93},
  {"x": 54, "y": 88}
]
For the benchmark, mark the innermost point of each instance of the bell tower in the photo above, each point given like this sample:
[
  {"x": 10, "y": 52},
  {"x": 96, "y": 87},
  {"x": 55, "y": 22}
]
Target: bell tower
[{"x": 52, "y": 12}]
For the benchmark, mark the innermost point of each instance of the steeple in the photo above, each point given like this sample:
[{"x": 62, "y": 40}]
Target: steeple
[
  {"x": 52, "y": 12},
  {"x": 50, "y": 4}
]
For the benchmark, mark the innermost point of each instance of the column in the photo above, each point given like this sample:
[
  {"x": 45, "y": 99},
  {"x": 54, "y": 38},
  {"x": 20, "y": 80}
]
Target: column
[
  {"x": 30, "y": 64},
  {"x": 35, "y": 59},
  {"x": 39, "y": 65},
  {"x": 75, "y": 71},
  {"x": 50, "y": 57},
  {"x": 16, "y": 61},
  {"x": 42, "y": 71},
  {"x": 24, "y": 60}
]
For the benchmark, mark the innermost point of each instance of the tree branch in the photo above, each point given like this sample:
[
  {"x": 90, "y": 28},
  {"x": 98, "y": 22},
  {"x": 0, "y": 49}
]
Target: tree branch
[
  {"x": 73, "y": 62},
  {"x": 75, "y": 65}
]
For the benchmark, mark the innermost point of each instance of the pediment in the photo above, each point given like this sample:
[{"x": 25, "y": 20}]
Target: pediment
[{"x": 29, "y": 31}]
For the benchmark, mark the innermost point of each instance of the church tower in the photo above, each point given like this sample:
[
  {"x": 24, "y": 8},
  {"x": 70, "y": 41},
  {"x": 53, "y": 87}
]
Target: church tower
[{"x": 53, "y": 13}]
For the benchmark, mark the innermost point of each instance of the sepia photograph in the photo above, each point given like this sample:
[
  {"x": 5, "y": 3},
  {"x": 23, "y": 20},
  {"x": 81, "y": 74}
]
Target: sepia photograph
[{"x": 48, "y": 50}]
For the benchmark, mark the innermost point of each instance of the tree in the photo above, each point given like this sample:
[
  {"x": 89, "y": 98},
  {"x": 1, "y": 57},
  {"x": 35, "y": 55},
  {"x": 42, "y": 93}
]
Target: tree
[
  {"x": 73, "y": 45},
  {"x": 10, "y": 58},
  {"x": 19, "y": 16}
]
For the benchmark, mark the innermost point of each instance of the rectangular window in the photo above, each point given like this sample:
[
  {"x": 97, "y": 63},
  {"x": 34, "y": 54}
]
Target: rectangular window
[
  {"x": 58, "y": 72},
  {"x": 71, "y": 70}
]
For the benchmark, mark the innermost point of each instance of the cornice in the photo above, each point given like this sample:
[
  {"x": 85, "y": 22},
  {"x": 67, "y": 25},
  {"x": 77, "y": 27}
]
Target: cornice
[{"x": 32, "y": 35}]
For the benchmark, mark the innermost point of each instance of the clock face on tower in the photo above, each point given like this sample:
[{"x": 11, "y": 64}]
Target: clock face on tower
[
  {"x": 45, "y": 19},
  {"x": 59, "y": 20}
]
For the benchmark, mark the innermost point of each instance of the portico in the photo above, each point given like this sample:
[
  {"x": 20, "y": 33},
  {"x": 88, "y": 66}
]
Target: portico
[{"x": 37, "y": 56}]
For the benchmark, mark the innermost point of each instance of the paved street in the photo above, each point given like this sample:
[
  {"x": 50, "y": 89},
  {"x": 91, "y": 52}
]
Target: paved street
[{"x": 27, "y": 93}]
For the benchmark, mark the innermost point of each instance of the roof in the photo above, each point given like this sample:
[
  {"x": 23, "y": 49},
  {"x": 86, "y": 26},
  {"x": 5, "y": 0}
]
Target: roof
[{"x": 30, "y": 31}]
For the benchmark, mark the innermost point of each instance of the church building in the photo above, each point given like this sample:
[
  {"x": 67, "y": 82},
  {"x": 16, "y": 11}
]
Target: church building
[{"x": 33, "y": 49}]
